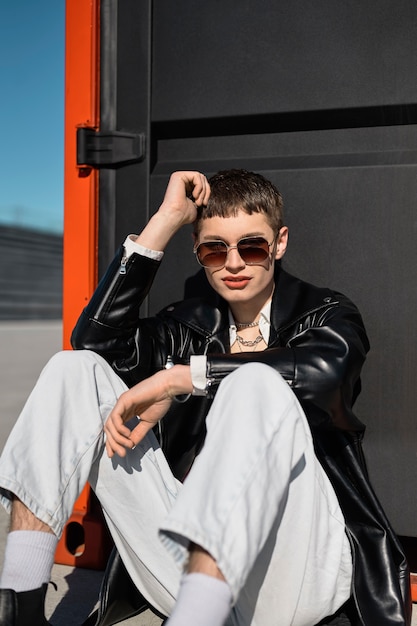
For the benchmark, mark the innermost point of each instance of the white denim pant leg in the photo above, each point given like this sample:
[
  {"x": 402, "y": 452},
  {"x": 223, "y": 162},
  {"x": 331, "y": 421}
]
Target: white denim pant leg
[
  {"x": 136, "y": 493},
  {"x": 259, "y": 502},
  {"x": 57, "y": 445}
]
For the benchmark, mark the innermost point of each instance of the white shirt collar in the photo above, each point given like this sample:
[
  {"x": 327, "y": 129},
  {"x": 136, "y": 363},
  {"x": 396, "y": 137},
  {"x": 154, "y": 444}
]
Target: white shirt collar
[{"x": 264, "y": 324}]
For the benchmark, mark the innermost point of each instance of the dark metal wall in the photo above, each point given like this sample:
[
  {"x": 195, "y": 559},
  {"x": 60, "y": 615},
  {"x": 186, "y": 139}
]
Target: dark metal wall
[{"x": 320, "y": 97}]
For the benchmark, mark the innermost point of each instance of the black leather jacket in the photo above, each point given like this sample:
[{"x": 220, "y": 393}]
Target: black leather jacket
[{"x": 317, "y": 343}]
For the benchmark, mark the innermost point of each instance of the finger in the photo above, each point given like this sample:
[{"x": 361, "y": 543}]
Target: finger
[
  {"x": 140, "y": 431},
  {"x": 201, "y": 191},
  {"x": 117, "y": 442},
  {"x": 109, "y": 449},
  {"x": 207, "y": 192},
  {"x": 117, "y": 436},
  {"x": 115, "y": 425},
  {"x": 113, "y": 448},
  {"x": 193, "y": 185}
]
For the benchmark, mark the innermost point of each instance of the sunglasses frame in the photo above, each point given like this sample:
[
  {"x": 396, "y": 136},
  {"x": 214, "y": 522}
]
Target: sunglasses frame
[{"x": 236, "y": 247}]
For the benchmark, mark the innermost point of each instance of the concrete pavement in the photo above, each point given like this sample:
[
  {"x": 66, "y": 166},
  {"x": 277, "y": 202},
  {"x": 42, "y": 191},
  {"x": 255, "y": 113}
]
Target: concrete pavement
[{"x": 24, "y": 349}]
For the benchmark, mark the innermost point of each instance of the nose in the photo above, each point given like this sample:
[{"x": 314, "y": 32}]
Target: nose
[{"x": 234, "y": 261}]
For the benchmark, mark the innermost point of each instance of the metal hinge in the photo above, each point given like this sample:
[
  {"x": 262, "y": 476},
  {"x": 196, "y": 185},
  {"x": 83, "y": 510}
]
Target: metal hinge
[{"x": 109, "y": 148}]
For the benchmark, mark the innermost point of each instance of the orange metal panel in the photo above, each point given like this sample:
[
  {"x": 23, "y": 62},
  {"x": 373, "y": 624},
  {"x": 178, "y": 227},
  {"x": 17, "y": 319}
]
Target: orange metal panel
[
  {"x": 80, "y": 184},
  {"x": 414, "y": 587},
  {"x": 85, "y": 540}
]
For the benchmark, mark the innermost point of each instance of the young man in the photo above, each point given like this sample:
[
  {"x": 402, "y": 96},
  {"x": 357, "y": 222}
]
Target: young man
[{"x": 247, "y": 379}]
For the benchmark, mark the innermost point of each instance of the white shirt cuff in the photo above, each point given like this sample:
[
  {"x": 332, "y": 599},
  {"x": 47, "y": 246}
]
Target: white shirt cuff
[
  {"x": 198, "y": 369},
  {"x": 131, "y": 246}
]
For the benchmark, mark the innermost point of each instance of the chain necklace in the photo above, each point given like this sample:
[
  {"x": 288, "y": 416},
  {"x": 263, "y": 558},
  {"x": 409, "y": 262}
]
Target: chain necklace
[
  {"x": 248, "y": 342},
  {"x": 249, "y": 325}
]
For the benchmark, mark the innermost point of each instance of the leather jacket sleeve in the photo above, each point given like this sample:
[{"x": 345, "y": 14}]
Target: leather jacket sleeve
[{"x": 109, "y": 323}]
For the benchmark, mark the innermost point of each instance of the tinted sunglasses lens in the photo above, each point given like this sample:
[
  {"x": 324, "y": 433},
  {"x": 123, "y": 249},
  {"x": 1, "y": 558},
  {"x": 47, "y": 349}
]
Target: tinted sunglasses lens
[
  {"x": 212, "y": 254},
  {"x": 253, "y": 251}
]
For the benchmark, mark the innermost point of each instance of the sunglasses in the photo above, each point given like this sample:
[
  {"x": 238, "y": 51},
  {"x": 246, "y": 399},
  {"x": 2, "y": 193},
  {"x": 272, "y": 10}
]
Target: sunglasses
[{"x": 252, "y": 250}]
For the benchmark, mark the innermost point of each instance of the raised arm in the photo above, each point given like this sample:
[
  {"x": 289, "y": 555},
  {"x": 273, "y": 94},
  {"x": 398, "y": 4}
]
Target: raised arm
[
  {"x": 185, "y": 192},
  {"x": 109, "y": 322}
]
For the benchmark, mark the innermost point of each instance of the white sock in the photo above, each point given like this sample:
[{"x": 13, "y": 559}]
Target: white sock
[
  {"x": 28, "y": 559},
  {"x": 202, "y": 601}
]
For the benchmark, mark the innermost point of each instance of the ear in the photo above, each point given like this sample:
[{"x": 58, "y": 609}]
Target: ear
[
  {"x": 282, "y": 241},
  {"x": 194, "y": 238}
]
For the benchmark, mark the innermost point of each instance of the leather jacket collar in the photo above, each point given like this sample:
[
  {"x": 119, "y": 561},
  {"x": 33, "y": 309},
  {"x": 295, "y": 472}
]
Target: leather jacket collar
[{"x": 292, "y": 299}]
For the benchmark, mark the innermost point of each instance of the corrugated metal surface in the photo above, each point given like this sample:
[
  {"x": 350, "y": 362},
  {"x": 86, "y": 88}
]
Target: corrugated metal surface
[{"x": 30, "y": 274}]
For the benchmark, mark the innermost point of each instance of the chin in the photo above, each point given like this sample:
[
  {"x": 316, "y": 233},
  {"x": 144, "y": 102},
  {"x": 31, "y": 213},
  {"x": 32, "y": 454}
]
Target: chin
[{"x": 236, "y": 295}]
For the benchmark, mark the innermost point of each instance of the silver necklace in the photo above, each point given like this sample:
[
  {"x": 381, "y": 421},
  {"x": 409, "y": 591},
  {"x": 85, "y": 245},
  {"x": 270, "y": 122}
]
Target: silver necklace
[
  {"x": 248, "y": 342},
  {"x": 249, "y": 325}
]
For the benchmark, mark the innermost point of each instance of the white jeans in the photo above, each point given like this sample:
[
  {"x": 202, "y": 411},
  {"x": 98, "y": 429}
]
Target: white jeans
[{"x": 256, "y": 498}]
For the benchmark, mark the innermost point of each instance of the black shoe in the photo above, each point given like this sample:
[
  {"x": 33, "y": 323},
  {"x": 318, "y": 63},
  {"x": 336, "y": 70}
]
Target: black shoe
[{"x": 23, "y": 608}]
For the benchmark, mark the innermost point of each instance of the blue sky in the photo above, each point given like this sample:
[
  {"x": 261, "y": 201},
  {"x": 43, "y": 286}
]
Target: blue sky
[{"x": 32, "y": 40}]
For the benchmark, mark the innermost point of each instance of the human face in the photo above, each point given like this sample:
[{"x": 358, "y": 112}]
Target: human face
[{"x": 245, "y": 287}]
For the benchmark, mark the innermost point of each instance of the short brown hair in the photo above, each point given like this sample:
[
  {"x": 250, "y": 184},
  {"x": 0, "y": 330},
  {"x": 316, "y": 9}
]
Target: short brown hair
[{"x": 237, "y": 189}]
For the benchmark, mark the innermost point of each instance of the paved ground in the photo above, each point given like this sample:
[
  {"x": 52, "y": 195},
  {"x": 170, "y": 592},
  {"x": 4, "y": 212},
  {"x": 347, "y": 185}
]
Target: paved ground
[{"x": 24, "y": 349}]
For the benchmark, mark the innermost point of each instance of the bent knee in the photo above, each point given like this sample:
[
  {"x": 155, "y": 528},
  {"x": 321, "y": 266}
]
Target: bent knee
[
  {"x": 258, "y": 378},
  {"x": 65, "y": 360}
]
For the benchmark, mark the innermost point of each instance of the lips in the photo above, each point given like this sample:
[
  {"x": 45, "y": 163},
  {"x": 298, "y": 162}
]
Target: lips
[{"x": 236, "y": 282}]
